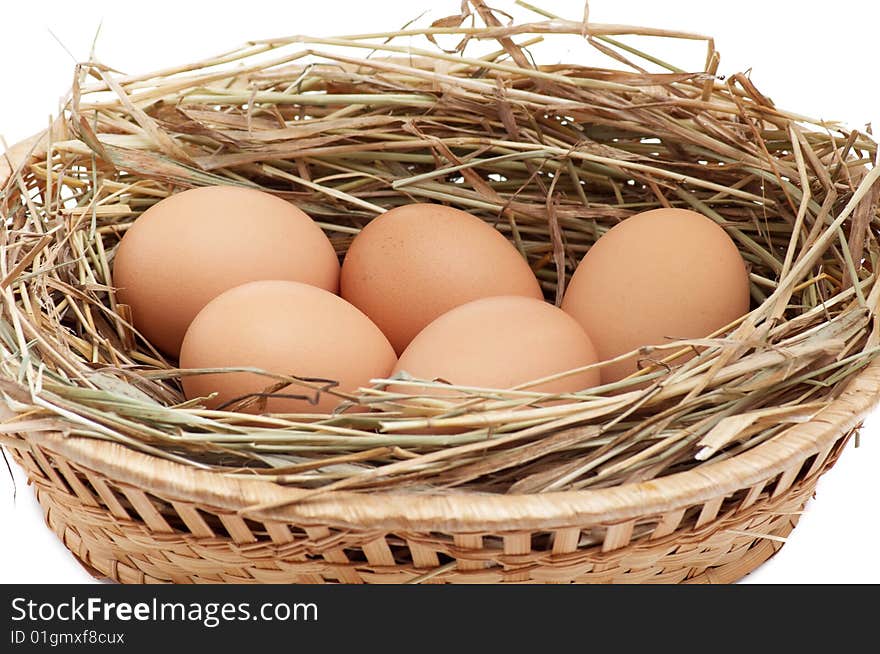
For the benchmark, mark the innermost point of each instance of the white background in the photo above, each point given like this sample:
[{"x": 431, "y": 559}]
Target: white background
[{"x": 818, "y": 58}]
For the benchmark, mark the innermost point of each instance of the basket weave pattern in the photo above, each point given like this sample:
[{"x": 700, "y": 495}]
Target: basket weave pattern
[{"x": 120, "y": 531}]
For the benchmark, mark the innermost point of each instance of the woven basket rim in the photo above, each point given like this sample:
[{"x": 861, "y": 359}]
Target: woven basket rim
[
  {"x": 460, "y": 511},
  {"x": 476, "y": 511}
]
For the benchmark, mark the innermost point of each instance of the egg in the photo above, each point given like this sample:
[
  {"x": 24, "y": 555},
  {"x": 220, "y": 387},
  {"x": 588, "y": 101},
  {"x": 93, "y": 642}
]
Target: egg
[
  {"x": 416, "y": 262},
  {"x": 660, "y": 275},
  {"x": 190, "y": 247},
  {"x": 502, "y": 342},
  {"x": 286, "y": 328}
]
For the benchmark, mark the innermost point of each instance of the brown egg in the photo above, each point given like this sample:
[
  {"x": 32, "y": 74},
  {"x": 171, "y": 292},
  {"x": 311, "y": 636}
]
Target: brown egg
[
  {"x": 661, "y": 275},
  {"x": 287, "y": 328},
  {"x": 192, "y": 246},
  {"x": 501, "y": 342},
  {"x": 416, "y": 262}
]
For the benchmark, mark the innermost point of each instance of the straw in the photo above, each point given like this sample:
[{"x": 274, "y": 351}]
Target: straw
[{"x": 551, "y": 154}]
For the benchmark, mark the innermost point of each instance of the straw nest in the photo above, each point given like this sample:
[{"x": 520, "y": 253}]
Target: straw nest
[{"x": 551, "y": 155}]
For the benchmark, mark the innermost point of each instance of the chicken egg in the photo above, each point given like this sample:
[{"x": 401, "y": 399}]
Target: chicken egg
[
  {"x": 415, "y": 262},
  {"x": 502, "y": 342},
  {"x": 191, "y": 246},
  {"x": 287, "y": 328},
  {"x": 661, "y": 275}
]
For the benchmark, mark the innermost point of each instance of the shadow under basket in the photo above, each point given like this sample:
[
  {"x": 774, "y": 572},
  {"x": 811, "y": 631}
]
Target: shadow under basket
[{"x": 135, "y": 517}]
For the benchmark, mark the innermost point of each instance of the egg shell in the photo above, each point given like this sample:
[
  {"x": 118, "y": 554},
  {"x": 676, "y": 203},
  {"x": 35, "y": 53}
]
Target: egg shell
[
  {"x": 191, "y": 246},
  {"x": 287, "y": 328},
  {"x": 661, "y": 275},
  {"x": 501, "y": 342},
  {"x": 418, "y": 261}
]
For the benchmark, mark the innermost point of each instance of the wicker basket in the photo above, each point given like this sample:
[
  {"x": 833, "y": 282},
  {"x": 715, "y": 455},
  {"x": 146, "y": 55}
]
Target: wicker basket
[{"x": 136, "y": 518}]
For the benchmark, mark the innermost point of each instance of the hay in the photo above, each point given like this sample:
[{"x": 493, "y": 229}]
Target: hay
[{"x": 551, "y": 155}]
